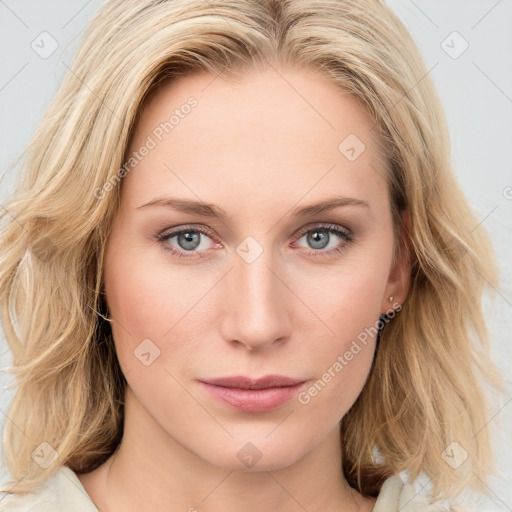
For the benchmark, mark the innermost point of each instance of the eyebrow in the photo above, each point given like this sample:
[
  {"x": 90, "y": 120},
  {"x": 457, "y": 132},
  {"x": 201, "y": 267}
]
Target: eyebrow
[{"x": 211, "y": 210}]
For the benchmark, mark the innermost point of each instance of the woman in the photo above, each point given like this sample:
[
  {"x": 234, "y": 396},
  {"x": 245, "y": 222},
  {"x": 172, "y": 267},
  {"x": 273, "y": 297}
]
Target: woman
[{"x": 239, "y": 272}]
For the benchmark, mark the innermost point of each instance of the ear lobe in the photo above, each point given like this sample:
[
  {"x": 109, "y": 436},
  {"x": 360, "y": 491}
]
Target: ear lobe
[{"x": 399, "y": 279}]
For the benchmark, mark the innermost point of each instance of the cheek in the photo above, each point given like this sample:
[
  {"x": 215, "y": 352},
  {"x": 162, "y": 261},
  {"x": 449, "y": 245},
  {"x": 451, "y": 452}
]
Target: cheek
[
  {"x": 348, "y": 303},
  {"x": 159, "y": 313},
  {"x": 343, "y": 359},
  {"x": 146, "y": 301}
]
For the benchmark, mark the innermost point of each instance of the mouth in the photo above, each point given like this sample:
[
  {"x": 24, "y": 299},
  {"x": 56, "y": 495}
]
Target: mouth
[{"x": 253, "y": 395}]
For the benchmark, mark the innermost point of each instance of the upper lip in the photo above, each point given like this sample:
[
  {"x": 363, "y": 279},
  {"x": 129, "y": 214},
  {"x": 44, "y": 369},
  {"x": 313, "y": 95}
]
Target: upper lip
[{"x": 242, "y": 382}]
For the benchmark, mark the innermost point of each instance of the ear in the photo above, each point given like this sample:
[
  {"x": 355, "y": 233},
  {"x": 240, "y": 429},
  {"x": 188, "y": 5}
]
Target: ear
[{"x": 399, "y": 279}]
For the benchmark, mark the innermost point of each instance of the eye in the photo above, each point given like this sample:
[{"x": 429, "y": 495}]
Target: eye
[
  {"x": 191, "y": 242},
  {"x": 188, "y": 239},
  {"x": 326, "y": 239}
]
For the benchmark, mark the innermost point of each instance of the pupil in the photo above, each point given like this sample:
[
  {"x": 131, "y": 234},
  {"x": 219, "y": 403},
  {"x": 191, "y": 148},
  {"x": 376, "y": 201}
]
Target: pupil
[
  {"x": 318, "y": 239},
  {"x": 191, "y": 240}
]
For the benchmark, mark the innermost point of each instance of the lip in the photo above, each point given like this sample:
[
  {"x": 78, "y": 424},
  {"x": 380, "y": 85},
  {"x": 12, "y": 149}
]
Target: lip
[{"x": 253, "y": 395}]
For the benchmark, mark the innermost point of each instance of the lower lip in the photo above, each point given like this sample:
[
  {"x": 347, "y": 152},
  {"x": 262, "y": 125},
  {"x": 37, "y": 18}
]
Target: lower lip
[{"x": 254, "y": 400}]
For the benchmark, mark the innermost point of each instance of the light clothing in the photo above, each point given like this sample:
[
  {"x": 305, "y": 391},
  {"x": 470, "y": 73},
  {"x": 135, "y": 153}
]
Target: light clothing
[{"x": 63, "y": 492}]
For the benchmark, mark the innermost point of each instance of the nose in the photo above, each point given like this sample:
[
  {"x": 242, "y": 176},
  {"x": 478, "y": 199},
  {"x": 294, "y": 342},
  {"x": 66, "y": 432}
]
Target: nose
[{"x": 256, "y": 304}]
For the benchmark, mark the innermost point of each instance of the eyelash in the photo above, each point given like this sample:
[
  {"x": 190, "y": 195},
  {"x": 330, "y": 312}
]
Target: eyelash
[{"x": 345, "y": 234}]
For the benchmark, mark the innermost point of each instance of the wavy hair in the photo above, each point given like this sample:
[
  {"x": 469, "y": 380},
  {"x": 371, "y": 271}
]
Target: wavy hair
[{"x": 424, "y": 390}]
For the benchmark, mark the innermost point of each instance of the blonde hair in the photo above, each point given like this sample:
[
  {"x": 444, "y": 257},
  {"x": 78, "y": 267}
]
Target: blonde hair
[{"x": 423, "y": 391}]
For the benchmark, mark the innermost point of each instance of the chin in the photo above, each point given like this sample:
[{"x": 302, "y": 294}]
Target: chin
[{"x": 255, "y": 453}]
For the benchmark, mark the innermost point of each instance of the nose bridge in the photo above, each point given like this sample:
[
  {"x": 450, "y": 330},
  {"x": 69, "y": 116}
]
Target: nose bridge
[{"x": 256, "y": 314}]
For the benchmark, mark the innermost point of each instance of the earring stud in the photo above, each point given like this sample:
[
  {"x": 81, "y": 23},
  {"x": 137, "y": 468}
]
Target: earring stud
[{"x": 391, "y": 299}]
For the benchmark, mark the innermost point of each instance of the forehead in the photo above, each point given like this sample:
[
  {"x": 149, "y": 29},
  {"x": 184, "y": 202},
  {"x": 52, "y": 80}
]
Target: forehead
[
  {"x": 267, "y": 131},
  {"x": 264, "y": 99}
]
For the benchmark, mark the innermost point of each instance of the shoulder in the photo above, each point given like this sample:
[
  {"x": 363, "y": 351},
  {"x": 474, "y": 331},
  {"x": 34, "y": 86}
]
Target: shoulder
[
  {"x": 396, "y": 496},
  {"x": 62, "y": 492}
]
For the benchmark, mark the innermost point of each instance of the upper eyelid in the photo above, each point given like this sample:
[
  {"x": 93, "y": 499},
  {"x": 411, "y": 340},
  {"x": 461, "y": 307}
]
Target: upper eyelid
[
  {"x": 323, "y": 225},
  {"x": 185, "y": 227}
]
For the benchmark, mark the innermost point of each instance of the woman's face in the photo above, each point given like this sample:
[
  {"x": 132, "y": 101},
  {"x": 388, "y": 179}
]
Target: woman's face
[{"x": 260, "y": 282}]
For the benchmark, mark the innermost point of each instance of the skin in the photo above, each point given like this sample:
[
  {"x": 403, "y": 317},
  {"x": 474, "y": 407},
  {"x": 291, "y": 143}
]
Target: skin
[{"x": 258, "y": 148}]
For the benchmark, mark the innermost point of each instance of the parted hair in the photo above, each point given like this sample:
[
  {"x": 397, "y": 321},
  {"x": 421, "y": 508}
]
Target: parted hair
[{"x": 425, "y": 388}]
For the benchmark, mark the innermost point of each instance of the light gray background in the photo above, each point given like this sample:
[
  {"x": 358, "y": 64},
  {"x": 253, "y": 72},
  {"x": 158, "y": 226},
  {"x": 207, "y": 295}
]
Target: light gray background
[{"x": 475, "y": 88}]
